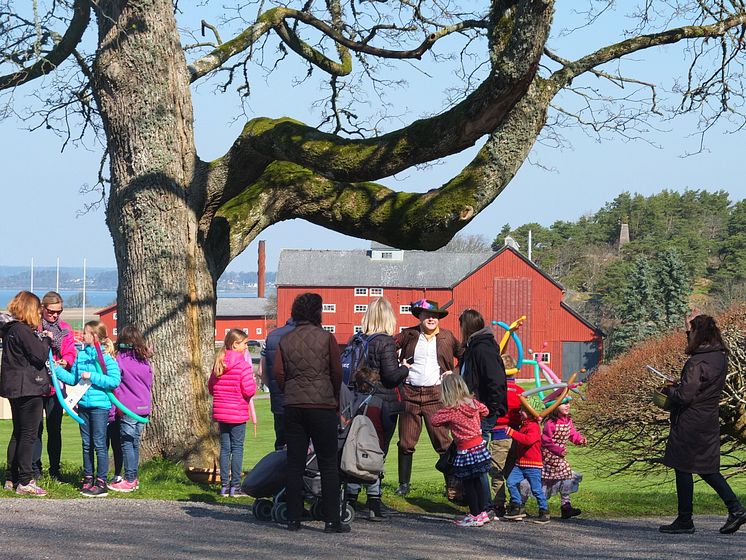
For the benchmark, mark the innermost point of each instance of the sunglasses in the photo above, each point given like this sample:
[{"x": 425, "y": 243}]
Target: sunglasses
[{"x": 53, "y": 311}]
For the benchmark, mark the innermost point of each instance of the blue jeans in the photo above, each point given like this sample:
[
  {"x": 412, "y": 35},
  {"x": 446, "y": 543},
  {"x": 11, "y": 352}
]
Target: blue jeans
[
  {"x": 533, "y": 475},
  {"x": 130, "y": 431},
  {"x": 231, "y": 453},
  {"x": 93, "y": 434}
]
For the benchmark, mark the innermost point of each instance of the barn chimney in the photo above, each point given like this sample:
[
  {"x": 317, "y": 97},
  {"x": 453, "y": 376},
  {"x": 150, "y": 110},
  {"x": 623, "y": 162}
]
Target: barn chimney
[
  {"x": 624, "y": 232},
  {"x": 260, "y": 272}
]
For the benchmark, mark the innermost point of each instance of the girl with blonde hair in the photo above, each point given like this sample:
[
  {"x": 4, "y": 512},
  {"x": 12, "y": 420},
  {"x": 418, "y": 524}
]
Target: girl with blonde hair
[
  {"x": 462, "y": 414},
  {"x": 94, "y": 364},
  {"x": 231, "y": 385}
]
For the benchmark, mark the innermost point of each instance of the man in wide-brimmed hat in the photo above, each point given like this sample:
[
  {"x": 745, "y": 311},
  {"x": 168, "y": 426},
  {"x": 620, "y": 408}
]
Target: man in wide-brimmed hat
[{"x": 429, "y": 351}]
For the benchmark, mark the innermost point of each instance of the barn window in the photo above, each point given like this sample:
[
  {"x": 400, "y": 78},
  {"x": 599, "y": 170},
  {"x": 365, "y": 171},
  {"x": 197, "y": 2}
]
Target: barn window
[
  {"x": 543, "y": 357},
  {"x": 245, "y": 331},
  {"x": 115, "y": 315},
  {"x": 358, "y": 329},
  {"x": 377, "y": 292},
  {"x": 329, "y": 328},
  {"x": 361, "y": 308},
  {"x": 114, "y": 331},
  {"x": 361, "y": 291},
  {"x": 387, "y": 255},
  {"x": 329, "y": 308},
  {"x": 405, "y": 309},
  {"x": 258, "y": 330}
]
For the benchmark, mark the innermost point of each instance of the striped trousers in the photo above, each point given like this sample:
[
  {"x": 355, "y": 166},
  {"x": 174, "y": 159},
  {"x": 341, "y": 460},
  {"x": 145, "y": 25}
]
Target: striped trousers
[{"x": 421, "y": 403}]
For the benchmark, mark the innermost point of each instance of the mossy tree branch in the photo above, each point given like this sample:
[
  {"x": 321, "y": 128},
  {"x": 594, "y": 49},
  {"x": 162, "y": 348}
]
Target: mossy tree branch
[{"x": 61, "y": 51}]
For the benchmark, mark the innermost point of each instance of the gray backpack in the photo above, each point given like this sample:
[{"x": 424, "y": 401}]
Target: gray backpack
[{"x": 362, "y": 457}]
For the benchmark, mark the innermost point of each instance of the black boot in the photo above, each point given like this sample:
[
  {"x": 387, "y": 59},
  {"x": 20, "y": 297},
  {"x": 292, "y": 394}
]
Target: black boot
[
  {"x": 568, "y": 511},
  {"x": 374, "y": 505},
  {"x": 734, "y": 522},
  {"x": 405, "y": 473},
  {"x": 683, "y": 524}
]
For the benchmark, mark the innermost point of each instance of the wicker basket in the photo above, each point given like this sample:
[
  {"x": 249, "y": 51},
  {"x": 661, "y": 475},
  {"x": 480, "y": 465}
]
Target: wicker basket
[
  {"x": 661, "y": 400},
  {"x": 203, "y": 475}
]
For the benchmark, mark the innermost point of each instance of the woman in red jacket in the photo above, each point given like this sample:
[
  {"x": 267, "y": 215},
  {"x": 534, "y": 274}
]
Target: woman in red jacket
[{"x": 231, "y": 385}]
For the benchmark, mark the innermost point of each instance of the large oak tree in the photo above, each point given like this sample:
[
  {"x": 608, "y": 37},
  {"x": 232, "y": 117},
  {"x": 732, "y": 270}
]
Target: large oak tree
[{"x": 177, "y": 221}]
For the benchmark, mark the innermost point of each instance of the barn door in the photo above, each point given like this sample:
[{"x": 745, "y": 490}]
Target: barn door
[
  {"x": 578, "y": 355},
  {"x": 511, "y": 299}
]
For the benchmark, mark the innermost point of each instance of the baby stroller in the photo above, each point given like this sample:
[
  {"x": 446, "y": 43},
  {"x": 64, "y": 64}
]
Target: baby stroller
[{"x": 266, "y": 483}]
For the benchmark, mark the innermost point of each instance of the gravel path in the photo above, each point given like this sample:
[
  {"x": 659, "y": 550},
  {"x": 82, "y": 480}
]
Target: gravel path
[{"x": 120, "y": 529}]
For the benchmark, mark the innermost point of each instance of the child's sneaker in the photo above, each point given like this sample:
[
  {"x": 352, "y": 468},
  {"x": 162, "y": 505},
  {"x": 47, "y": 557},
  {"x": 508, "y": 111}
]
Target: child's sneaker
[
  {"x": 9, "y": 486},
  {"x": 515, "y": 512},
  {"x": 484, "y": 517},
  {"x": 115, "y": 480},
  {"x": 124, "y": 486},
  {"x": 236, "y": 492},
  {"x": 225, "y": 491},
  {"x": 542, "y": 518},
  {"x": 470, "y": 521},
  {"x": 30, "y": 489},
  {"x": 98, "y": 490},
  {"x": 87, "y": 484}
]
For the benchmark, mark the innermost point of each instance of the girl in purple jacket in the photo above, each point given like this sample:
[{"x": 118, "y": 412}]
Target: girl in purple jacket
[
  {"x": 134, "y": 393},
  {"x": 231, "y": 385}
]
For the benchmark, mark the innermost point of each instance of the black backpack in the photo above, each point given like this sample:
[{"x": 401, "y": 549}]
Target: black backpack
[{"x": 355, "y": 356}]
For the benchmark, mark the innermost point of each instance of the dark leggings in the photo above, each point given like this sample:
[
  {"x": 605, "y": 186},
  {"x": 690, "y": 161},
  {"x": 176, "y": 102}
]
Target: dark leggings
[
  {"x": 477, "y": 492},
  {"x": 685, "y": 491}
]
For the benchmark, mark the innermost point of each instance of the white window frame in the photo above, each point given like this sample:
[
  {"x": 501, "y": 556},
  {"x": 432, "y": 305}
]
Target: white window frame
[
  {"x": 376, "y": 292},
  {"x": 328, "y": 307},
  {"x": 258, "y": 330},
  {"x": 546, "y": 357},
  {"x": 114, "y": 331},
  {"x": 405, "y": 309},
  {"x": 226, "y": 331},
  {"x": 329, "y": 328},
  {"x": 360, "y": 308},
  {"x": 358, "y": 329},
  {"x": 245, "y": 330},
  {"x": 361, "y": 292},
  {"x": 114, "y": 316}
]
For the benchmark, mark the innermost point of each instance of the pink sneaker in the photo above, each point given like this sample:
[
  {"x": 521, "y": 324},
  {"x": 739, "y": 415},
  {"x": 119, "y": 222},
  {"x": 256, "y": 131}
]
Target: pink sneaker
[
  {"x": 483, "y": 517},
  {"x": 124, "y": 486},
  {"x": 87, "y": 483},
  {"x": 470, "y": 521},
  {"x": 30, "y": 489}
]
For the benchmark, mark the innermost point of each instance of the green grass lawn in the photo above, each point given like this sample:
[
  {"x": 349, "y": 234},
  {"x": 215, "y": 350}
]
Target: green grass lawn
[{"x": 599, "y": 496}]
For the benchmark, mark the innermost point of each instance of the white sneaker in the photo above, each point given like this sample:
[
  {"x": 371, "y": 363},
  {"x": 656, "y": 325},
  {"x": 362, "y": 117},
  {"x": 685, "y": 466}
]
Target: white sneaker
[{"x": 470, "y": 521}]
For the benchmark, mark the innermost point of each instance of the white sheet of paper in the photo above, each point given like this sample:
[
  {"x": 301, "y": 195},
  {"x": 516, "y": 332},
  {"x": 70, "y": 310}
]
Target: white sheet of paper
[{"x": 76, "y": 392}]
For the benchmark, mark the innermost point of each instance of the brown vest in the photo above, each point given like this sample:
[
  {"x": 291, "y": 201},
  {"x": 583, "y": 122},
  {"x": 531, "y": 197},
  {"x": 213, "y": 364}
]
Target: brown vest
[{"x": 305, "y": 359}]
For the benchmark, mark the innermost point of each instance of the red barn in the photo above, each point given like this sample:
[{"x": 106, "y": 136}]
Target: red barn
[
  {"x": 502, "y": 286},
  {"x": 246, "y": 314}
]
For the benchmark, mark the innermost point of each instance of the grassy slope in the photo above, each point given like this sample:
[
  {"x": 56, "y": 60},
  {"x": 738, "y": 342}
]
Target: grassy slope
[{"x": 599, "y": 496}]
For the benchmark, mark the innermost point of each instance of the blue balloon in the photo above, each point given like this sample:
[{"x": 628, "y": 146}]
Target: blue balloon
[{"x": 58, "y": 392}]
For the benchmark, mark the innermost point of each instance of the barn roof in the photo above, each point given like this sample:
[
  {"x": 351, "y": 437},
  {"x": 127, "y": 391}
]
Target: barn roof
[
  {"x": 241, "y": 306},
  {"x": 418, "y": 269}
]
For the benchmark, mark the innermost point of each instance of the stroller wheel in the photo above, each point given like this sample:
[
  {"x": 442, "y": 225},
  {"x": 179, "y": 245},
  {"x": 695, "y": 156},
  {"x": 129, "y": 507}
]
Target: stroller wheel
[
  {"x": 262, "y": 509},
  {"x": 316, "y": 512},
  {"x": 348, "y": 513},
  {"x": 280, "y": 512}
]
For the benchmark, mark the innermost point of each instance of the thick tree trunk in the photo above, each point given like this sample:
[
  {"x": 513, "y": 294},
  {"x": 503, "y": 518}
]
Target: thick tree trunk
[{"x": 165, "y": 284}]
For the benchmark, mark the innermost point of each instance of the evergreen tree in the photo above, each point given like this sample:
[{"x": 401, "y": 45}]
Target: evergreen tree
[
  {"x": 639, "y": 309},
  {"x": 673, "y": 282}
]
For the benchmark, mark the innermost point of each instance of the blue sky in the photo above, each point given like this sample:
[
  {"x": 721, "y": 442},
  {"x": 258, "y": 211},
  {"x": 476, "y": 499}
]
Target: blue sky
[{"x": 40, "y": 186}]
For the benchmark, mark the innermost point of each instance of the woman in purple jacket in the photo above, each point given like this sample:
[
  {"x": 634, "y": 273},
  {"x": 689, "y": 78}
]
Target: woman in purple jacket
[{"x": 134, "y": 393}]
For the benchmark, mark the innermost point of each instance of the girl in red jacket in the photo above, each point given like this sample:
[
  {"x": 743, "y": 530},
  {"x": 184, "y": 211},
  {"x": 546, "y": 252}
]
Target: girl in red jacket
[
  {"x": 528, "y": 467},
  {"x": 462, "y": 414},
  {"x": 232, "y": 385}
]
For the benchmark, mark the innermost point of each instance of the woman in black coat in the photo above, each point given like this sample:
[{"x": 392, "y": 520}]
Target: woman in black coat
[
  {"x": 379, "y": 324},
  {"x": 24, "y": 381},
  {"x": 693, "y": 445}
]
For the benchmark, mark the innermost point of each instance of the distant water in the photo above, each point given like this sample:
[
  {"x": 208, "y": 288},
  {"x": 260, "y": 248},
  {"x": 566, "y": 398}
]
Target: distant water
[{"x": 94, "y": 298}]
